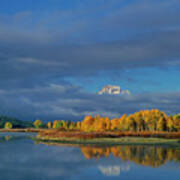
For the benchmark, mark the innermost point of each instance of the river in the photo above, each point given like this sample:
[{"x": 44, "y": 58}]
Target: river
[{"x": 22, "y": 158}]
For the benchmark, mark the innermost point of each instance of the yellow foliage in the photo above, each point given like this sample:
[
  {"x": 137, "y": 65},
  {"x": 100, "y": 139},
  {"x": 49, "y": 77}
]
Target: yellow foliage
[
  {"x": 38, "y": 123},
  {"x": 49, "y": 125},
  {"x": 8, "y": 125}
]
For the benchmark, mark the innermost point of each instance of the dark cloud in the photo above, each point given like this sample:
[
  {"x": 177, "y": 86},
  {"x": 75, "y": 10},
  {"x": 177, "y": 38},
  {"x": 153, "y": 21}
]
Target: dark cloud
[
  {"x": 145, "y": 14},
  {"x": 39, "y": 50},
  {"x": 40, "y": 64},
  {"x": 43, "y": 49},
  {"x": 71, "y": 103}
]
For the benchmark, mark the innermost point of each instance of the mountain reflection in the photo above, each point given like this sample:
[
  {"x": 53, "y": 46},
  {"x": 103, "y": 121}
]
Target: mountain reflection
[
  {"x": 113, "y": 170},
  {"x": 143, "y": 155}
]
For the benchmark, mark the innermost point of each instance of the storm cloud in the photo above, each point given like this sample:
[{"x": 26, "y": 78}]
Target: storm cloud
[
  {"x": 71, "y": 103},
  {"x": 40, "y": 49}
]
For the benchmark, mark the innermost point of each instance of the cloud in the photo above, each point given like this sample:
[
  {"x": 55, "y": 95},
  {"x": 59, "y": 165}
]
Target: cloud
[
  {"x": 40, "y": 49},
  {"x": 72, "y": 103},
  {"x": 21, "y": 67},
  {"x": 61, "y": 40}
]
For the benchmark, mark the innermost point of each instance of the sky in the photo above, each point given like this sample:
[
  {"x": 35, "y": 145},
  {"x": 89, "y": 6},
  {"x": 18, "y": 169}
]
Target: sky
[{"x": 55, "y": 55}]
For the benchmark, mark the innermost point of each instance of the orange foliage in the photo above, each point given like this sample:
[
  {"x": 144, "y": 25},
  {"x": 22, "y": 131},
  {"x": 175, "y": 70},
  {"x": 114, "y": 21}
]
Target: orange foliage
[
  {"x": 144, "y": 155},
  {"x": 147, "y": 120}
]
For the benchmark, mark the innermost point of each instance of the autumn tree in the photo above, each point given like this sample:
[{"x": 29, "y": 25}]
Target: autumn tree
[
  {"x": 170, "y": 123},
  {"x": 147, "y": 120},
  {"x": 57, "y": 124},
  {"x": 130, "y": 123},
  {"x": 114, "y": 124},
  {"x": 177, "y": 122},
  {"x": 100, "y": 125},
  {"x": 140, "y": 124},
  {"x": 71, "y": 126},
  {"x": 49, "y": 125},
  {"x": 38, "y": 123},
  {"x": 107, "y": 123},
  {"x": 87, "y": 124},
  {"x": 122, "y": 121},
  {"x": 78, "y": 125},
  {"x": 8, "y": 125},
  {"x": 161, "y": 124}
]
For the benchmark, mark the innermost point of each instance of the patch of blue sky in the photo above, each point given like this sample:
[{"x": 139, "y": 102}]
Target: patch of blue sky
[
  {"x": 140, "y": 80},
  {"x": 13, "y": 6}
]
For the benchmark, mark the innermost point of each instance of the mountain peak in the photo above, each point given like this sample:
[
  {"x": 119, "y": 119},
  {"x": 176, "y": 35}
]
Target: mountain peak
[{"x": 113, "y": 89}]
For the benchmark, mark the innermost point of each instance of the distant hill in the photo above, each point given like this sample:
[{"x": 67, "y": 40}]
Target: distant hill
[
  {"x": 111, "y": 89},
  {"x": 16, "y": 122}
]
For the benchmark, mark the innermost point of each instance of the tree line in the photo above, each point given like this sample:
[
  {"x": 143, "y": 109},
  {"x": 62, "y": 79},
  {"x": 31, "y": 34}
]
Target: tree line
[
  {"x": 147, "y": 120},
  {"x": 144, "y": 120}
]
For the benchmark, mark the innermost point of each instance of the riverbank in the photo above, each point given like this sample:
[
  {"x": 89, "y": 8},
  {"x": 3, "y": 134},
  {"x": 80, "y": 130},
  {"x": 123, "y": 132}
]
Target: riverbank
[
  {"x": 32, "y": 130},
  {"x": 114, "y": 141},
  {"x": 109, "y": 138},
  {"x": 102, "y": 138}
]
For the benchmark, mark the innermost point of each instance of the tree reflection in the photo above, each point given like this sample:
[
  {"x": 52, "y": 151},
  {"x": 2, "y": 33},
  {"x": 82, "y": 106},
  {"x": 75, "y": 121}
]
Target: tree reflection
[
  {"x": 5, "y": 138},
  {"x": 153, "y": 156},
  {"x": 143, "y": 155},
  {"x": 12, "y": 138}
]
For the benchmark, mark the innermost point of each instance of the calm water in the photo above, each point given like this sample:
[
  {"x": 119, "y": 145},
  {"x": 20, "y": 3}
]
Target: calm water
[{"x": 22, "y": 158}]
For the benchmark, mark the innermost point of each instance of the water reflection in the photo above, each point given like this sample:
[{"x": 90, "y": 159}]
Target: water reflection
[
  {"x": 22, "y": 158},
  {"x": 5, "y": 137},
  {"x": 113, "y": 170},
  {"x": 8, "y": 138},
  {"x": 144, "y": 155}
]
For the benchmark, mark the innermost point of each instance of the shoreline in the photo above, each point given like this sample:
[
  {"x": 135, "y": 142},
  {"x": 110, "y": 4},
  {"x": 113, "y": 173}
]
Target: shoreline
[
  {"x": 110, "y": 138},
  {"x": 32, "y": 130},
  {"x": 106, "y": 138},
  {"x": 112, "y": 141}
]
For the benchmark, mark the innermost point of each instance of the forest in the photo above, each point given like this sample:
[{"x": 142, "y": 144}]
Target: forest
[
  {"x": 147, "y": 120},
  {"x": 143, "y": 121},
  {"x": 10, "y": 122}
]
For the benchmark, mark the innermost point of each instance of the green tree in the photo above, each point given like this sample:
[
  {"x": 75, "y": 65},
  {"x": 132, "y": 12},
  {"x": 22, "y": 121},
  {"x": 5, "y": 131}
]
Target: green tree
[
  {"x": 57, "y": 124},
  {"x": 38, "y": 123}
]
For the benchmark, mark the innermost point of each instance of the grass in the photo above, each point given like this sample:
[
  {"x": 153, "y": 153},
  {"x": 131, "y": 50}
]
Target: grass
[
  {"x": 104, "y": 138},
  {"x": 113, "y": 141}
]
